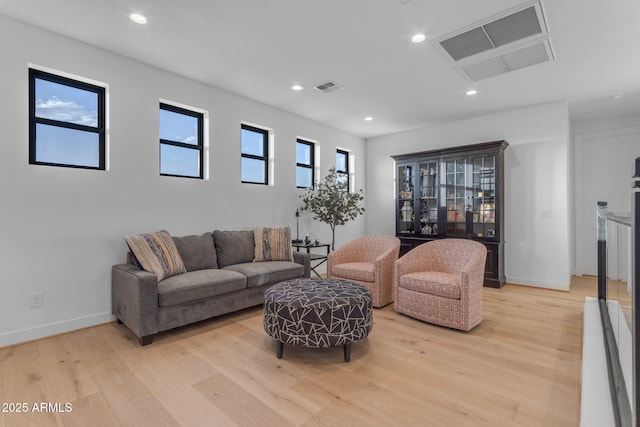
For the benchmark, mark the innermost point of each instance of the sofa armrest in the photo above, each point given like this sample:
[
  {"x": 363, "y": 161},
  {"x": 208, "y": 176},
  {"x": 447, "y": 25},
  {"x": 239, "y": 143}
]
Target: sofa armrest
[
  {"x": 134, "y": 299},
  {"x": 304, "y": 259}
]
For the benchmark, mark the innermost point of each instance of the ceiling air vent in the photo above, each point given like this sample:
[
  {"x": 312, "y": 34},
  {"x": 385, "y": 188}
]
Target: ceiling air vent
[
  {"x": 328, "y": 87},
  {"x": 516, "y": 39}
]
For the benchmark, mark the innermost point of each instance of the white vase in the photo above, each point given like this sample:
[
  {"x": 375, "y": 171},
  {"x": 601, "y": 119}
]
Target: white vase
[{"x": 406, "y": 210}]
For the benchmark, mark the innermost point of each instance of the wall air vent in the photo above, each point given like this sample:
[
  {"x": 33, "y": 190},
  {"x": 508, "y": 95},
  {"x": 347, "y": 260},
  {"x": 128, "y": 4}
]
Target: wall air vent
[
  {"x": 516, "y": 39},
  {"x": 328, "y": 87}
]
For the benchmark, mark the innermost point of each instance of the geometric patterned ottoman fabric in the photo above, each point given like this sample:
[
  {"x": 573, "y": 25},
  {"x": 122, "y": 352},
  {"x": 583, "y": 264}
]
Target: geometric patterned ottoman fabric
[{"x": 318, "y": 312}]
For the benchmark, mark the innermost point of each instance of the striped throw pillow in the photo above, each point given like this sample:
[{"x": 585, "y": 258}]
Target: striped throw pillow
[
  {"x": 272, "y": 244},
  {"x": 157, "y": 253}
]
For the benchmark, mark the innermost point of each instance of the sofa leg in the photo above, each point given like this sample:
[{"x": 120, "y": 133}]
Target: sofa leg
[
  {"x": 146, "y": 340},
  {"x": 280, "y": 349},
  {"x": 119, "y": 322},
  {"x": 347, "y": 352}
]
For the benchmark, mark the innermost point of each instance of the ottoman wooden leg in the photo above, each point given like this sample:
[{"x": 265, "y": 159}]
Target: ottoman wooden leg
[
  {"x": 347, "y": 352},
  {"x": 280, "y": 349}
]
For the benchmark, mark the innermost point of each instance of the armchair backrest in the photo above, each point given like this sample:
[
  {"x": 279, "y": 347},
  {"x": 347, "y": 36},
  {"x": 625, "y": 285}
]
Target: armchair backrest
[
  {"x": 446, "y": 255},
  {"x": 368, "y": 248}
]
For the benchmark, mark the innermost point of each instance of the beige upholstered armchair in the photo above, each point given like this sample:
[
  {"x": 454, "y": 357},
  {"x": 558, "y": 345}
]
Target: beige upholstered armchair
[
  {"x": 368, "y": 261},
  {"x": 441, "y": 282}
]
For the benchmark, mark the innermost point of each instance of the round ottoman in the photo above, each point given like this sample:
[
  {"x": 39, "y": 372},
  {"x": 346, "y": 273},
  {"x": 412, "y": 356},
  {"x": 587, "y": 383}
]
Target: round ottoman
[{"x": 317, "y": 313}]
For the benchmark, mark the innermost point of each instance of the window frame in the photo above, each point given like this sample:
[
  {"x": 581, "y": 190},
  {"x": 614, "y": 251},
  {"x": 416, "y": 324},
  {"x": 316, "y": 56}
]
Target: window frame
[
  {"x": 100, "y": 129},
  {"x": 346, "y": 170},
  {"x": 312, "y": 161},
  {"x": 200, "y": 146},
  {"x": 265, "y": 150}
]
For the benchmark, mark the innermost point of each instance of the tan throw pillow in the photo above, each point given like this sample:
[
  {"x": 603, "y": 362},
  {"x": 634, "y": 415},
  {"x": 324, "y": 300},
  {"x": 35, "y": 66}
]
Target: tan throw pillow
[
  {"x": 272, "y": 244},
  {"x": 157, "y": 253}
]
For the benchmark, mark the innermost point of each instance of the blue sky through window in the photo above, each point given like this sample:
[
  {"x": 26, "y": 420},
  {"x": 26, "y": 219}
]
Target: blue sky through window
[
  {"x": 252, "y": 170},
  {"x": 182, "y": 127},
  {"x": 67, "y": 146},
  {"x": 179, "y": 161},
  {"x": 66, "y": 129},
  {"x": 66, "y": 104},
  {"x": 303, "y": 177},
  {"x": 178, "y": 127},
  {"x": 252, "y": 143},
  {"x": 303, "y": 153}
]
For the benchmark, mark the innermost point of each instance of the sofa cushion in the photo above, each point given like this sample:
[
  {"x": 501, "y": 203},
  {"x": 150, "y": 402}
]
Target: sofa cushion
[
  {"x": 272, "y": 244},
  {"x": 156, "y": 253},
  {"x": 233, "y": 247},
  {"x": 197, "y": 285},
  {"x": 433, "y": 283},
  {"x": 263, "y": 273},
  {"x": 197, "y": 252},
  {"x": 361, "y": 271}
]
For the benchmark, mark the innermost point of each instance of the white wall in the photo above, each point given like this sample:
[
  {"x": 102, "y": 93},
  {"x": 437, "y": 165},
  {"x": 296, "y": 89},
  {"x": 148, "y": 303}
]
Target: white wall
[
  {"x": 536, "y": 184},
  {"x": 605, "y": 151},
  {"x": 61, "y": 229}
]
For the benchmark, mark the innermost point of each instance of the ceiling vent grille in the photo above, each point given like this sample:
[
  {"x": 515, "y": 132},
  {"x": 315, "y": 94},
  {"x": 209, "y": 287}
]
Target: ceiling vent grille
[
  {"x": 516, "y": 39},
  {"x": 328, "y": 87}
]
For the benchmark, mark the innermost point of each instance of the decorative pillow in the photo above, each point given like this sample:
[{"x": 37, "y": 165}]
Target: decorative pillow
[
  {"x": 157, "y": 253},
  {"x": 272, "y": 244},
  {"x": 197, "y": 252},
  {"x": 233, "y": 247}
]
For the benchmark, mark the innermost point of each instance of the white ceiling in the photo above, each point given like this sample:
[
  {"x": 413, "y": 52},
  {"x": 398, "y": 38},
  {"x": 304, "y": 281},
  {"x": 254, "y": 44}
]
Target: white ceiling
[{"x": 259, "y": 48}]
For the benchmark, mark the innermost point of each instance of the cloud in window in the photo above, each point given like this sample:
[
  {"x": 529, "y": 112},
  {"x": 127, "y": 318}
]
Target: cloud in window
[
  {"x": 190, "y": 140},
  {"x": 55, "y": 108}
]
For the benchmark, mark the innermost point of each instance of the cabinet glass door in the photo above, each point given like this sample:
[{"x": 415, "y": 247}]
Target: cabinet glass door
[
  {"x": 428, "y": 198},
  {"x": 484, "y": 193},
  {"x": 456, "y": 195},
  {"x": 405, "y": 214}
]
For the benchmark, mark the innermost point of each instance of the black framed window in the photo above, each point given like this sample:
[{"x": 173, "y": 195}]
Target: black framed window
[
  {"x": 305, "y": 163},
  {"x": 66, "y": 122},
  {"x": 181, "y": 142},
  {"x": 255, "y": 154},
  {"x": 342, "y": 169}
]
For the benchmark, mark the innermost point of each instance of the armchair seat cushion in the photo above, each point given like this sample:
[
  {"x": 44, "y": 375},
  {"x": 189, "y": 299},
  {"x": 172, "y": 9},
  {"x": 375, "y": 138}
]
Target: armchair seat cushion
[
  {"x": 432, "y": 282},
  {"x": 198, "y": 285},
  {"x": 361, "y": 271}
]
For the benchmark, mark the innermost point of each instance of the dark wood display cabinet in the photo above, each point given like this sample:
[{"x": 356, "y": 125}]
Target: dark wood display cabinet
[{"x": 454, "y": 193}]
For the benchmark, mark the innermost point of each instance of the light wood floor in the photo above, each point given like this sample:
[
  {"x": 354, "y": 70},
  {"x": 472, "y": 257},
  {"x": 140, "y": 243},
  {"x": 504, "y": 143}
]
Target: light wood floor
[{"x": 521, "y": 366}]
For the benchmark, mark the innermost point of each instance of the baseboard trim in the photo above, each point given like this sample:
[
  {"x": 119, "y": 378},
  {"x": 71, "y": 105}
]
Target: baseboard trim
[
  {"x": 538, "y": 283},
  {"x": 43, "y": 331}
]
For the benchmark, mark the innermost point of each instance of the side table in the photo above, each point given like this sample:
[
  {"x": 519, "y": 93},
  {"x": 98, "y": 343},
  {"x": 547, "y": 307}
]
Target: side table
[{"x": 317, "y": 259}]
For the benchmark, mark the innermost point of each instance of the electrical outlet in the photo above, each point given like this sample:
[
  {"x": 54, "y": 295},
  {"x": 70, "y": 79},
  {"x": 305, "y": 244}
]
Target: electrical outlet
[{"x": 36, "y": 300}]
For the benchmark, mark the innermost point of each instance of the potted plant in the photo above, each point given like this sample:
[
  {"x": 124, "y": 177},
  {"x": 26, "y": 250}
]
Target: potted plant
[{"x": 331, "y": 202}]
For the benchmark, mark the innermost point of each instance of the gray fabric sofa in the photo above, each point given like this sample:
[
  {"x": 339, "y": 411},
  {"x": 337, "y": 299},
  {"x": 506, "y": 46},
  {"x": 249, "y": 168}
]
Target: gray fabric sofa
[{"x": 221, "y": 278}]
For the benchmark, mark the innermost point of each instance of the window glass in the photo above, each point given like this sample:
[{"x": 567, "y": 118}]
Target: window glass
[
  {"x": 254, "y": 155},
  {"x": 342, "y": 169},
  {"x": 60, "y": 102},
  {"x": 66, "y": 122},
  {"x": 67, "y": 146},
  {"x": 304, "y": 163},
  {"x": 252, "y": 143},
  {"x": 181, "y": 141},
  {"x": 341, "y": 161},
  {"x": 303, "y": 153},
  {"x": 178, "y": 127},
  {"x": 179, "y": 161},
  {"x": 253, "y": 170}
]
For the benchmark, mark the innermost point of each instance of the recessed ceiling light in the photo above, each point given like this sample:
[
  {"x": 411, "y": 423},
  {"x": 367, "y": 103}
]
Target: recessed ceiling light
[
  {"x": 297, "y": 88},
  {"x": 368, "y": 118},
  {"x": 418, "y": 38},
  {"x": 137, "y": 18},
  {"x": 471, "y": 92}
]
